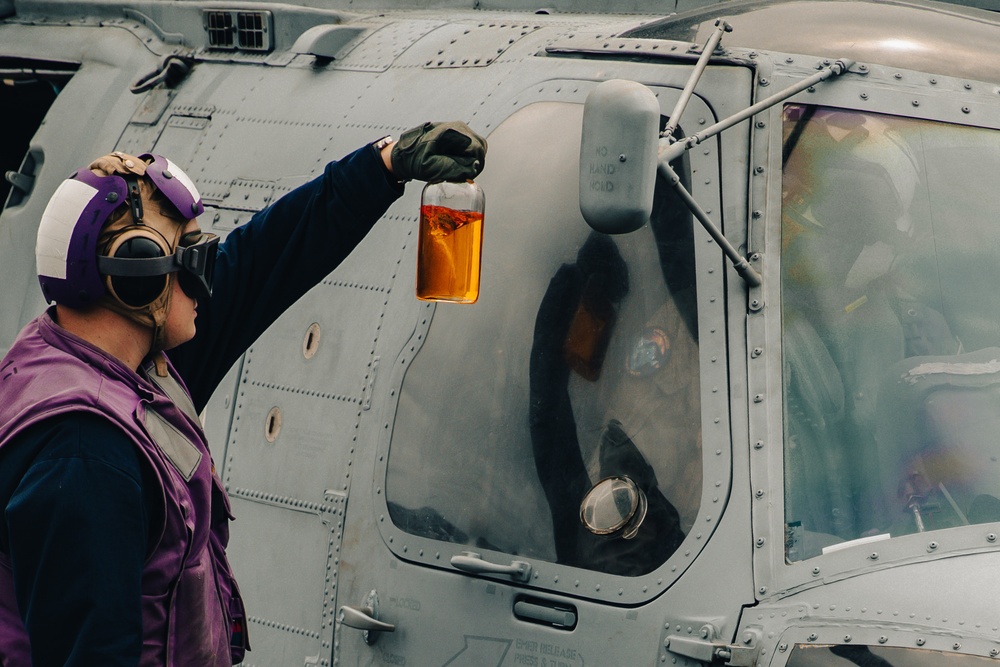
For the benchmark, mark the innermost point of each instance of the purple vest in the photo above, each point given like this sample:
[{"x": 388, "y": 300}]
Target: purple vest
[{"x": 192, "y": 611}]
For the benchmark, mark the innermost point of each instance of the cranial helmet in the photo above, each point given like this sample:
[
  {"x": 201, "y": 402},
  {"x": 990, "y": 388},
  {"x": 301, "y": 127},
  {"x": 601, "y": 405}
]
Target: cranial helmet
[{"x": 94, "y": 245}]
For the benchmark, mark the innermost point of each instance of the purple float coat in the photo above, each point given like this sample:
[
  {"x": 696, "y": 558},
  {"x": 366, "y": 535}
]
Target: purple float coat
[{"x": 190, "y": 604}]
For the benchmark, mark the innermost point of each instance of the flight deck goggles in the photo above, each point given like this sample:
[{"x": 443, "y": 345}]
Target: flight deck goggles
[{"x": 193, "y": 260}]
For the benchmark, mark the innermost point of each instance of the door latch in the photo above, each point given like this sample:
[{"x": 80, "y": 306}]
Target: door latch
[
  {"x": 365, "y": 617},
  {"x": 472, "y": 562}
]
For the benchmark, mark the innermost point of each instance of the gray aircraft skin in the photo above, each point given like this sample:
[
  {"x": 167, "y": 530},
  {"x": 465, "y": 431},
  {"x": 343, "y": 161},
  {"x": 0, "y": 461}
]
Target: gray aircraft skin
[{"x": 810, "y": 439}]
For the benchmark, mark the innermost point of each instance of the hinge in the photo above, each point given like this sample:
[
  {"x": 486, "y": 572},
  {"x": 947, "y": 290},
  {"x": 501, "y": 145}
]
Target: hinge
[
  {"x": 708, "y": 648},
  {"x": 755, "y": 293}
]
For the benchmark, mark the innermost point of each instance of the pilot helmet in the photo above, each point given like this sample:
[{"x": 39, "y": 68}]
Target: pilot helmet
[
  {"x": 96, "y": 246},
  {"x": 850, "y": 182}
]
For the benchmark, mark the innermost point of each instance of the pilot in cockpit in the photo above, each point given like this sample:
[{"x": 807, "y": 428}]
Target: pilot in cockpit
[{"x": 867, "y": 329}]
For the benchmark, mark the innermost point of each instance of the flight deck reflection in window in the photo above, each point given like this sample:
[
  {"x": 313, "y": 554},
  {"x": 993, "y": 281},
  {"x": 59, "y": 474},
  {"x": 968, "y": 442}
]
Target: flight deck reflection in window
[
  {"x": 890, "y": 326},
  {"x": 585, "y": 367}
]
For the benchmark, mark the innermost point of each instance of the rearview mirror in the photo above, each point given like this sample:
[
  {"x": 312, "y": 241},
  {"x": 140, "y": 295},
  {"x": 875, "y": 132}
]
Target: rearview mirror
[{"x": 618, "y": 156}]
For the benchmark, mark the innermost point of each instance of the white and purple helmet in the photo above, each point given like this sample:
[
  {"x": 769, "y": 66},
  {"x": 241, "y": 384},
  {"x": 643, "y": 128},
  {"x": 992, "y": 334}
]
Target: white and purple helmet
[{"x": 66, "y": 248}]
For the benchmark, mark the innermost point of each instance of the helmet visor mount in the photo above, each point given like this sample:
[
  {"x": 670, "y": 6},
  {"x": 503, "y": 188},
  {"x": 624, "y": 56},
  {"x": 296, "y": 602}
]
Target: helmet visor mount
[{"x": 193, "y": 260}]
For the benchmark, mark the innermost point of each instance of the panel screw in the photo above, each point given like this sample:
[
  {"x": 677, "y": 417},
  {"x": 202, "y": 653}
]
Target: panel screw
[
  {"x": 992, "y": 537},
  {"x": 932, "y": 546},
  {"x": 764, "y": 82},
  {"x": 864, "y": 96},
  {"x": 873, "y": 556},
  {"x": 756, "y": 352},
  {"x": 966, "y": 110},
  {"x": 812, "y": 637},
  {"x": 759, "y": 444},
  {"x": 622, "y": 158},
  {"x": 782, "y": 647},
  {"x": 815, "y": 571},
  {"x": 761, "y": 125},
  {"x": 916, "y": 103},
  {"x": 760, "y": 542},
  {"x": 921, "y": 641},
  {"x": 756, "y": 214},
  {"x": 758, "y": 398},
  {"x": 994, "y": 652},
  {"x": 883, "y": 639},
  {"x": 760, "y": 493},
  {"x": 847, "y": 638},
  {"x": 956, "y": 646}
]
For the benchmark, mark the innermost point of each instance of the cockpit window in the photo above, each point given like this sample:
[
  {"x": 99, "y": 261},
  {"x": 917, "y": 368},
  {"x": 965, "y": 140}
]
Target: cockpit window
[
  {"x": 578, "y": 365},
  {"x": 811, "y": 655},
  {"x": 890, "y": 326}
]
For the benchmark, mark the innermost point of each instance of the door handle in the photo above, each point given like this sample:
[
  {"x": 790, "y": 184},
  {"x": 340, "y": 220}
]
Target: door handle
[
  {"x": 472, "y": 562},
  {"x": 365, "y": 617}
]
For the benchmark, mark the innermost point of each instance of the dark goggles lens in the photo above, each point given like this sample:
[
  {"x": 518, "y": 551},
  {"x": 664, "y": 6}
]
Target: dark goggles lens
[{"x": 195, "y": 255}]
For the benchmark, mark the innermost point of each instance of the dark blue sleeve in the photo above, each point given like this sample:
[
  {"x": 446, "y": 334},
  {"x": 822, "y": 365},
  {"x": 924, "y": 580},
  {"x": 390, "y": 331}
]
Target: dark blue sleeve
[
  {"x": 283, "y": 251},
  {"x": 76, "y": 526}
]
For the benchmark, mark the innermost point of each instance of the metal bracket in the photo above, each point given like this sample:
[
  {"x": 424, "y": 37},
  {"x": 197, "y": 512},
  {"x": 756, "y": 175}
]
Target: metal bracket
[
  {"x": 677, "y": 149},
  {"x": 171, "y": 71},
  {"x": 708, "y": 647},
  {"x": 671, "y": 149},
  {"x": 22, "y": 182},
  {"x": 755, "y": 293}
]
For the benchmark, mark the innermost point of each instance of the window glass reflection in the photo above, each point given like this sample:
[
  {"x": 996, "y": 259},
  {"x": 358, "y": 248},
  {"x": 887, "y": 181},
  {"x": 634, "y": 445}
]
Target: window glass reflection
[
  {"x": 890, "y": 326},
  {"x": 811, "y": 655},
  {"x": 579, "y": 362}
]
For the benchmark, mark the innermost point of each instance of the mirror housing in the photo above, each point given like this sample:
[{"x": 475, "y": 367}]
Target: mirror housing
[{"x": 618, "y": 156}]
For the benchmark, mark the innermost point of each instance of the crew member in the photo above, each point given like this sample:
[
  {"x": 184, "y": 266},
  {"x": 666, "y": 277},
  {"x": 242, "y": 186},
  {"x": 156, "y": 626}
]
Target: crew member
[{"x": 115, "y": 523}]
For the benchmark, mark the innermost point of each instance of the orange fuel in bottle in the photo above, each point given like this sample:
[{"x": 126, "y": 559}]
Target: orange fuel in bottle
[{"x": 450, "y": 243}]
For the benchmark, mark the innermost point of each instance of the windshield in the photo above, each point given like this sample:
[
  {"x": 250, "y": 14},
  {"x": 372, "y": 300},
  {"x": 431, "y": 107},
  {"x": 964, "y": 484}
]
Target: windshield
[{"x": 890, "y": 326}]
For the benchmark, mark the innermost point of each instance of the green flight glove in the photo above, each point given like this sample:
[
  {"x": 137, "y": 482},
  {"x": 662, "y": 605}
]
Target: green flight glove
[{"x": 439, "y": 152}]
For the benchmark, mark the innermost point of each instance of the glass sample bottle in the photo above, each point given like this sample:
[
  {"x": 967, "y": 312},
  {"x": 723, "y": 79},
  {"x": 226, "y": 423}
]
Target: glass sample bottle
[{"x": 450, "y": 244}]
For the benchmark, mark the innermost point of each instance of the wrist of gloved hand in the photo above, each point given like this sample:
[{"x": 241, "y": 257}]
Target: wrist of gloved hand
[{"x": 448, "y": 151}]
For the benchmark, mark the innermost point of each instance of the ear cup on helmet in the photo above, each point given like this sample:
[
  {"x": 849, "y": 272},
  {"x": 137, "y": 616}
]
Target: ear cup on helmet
[{"x": 137, "y": 243}]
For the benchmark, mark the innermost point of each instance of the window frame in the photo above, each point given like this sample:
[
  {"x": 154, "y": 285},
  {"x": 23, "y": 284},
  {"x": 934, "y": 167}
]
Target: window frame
[
  {"x": 717, "y": 433},
  {"x": 879, "y": 90}
]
